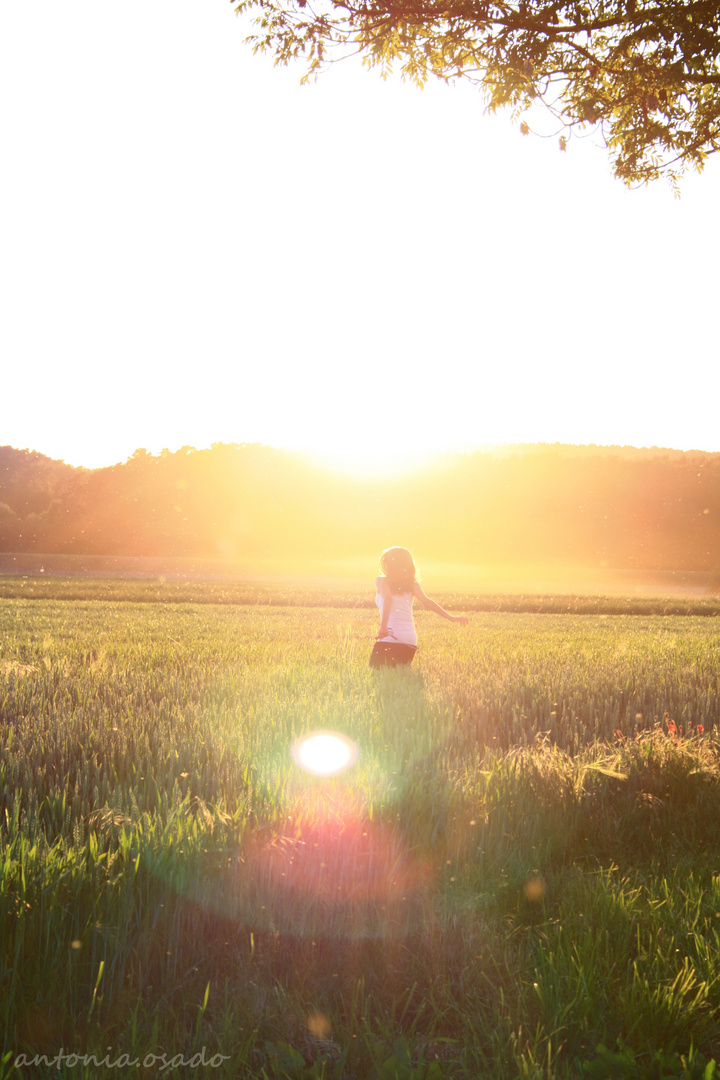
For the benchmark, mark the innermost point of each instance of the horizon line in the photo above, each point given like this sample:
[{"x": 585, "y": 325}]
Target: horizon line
[{"x": 401, "y": 462}]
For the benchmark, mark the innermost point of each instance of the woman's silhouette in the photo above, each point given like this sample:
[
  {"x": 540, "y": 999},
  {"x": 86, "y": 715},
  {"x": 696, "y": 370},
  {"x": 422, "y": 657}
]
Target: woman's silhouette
[{"x": 397, "y": 587}]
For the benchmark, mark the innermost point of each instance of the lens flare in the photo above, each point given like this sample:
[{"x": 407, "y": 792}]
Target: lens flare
[{"x": 324, "y": 753}]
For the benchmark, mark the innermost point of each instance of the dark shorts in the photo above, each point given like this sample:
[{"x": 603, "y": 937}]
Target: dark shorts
[{"x": 391, "y": 654}]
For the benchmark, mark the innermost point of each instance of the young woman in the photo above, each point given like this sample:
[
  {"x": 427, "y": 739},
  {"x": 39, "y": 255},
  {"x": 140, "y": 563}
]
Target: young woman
[{"x": 397, "y": 587}]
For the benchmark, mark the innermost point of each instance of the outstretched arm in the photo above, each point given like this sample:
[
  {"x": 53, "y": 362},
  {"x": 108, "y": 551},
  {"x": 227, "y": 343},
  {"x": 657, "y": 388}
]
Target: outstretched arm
[{"x": 430, "y": 605}]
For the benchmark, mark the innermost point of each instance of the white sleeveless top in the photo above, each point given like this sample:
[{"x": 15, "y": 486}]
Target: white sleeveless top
[{"x": 401, "y": 626}]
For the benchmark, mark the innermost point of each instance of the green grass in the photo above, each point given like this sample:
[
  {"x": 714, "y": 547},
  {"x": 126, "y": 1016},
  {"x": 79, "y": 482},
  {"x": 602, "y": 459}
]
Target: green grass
[
  {"x": 335, "y": 593},
  {"x": 521, "y": 868}
]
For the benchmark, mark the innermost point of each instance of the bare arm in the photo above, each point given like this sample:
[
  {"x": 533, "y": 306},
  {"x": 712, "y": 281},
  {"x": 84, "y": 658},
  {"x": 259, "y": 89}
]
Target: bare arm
[{"x": 430, "y": 605}]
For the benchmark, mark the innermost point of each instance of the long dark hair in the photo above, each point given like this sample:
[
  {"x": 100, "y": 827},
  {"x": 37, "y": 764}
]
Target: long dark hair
[{"x": 398, "y": 567}]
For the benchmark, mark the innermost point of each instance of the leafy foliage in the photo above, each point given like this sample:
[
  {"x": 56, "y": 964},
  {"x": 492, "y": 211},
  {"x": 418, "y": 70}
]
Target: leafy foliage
[
  {"x": 655, "y": 510},
  {"x": 644, "y": 73},
  {"x": 623, "y": 1064}
]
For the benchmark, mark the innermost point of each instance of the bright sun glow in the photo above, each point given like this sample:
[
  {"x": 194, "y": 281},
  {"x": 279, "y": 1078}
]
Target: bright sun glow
[
  {"x": 324, "y": 753},
  {"x": 392, "y": 332},
  {"x": 368, "y": 460}
]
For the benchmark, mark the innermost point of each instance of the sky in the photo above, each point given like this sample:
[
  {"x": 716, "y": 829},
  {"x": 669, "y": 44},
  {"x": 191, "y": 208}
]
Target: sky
[{"x": 194, "y": 248}]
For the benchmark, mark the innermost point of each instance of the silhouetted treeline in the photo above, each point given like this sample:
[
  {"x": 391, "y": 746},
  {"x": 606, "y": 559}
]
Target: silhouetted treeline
[{"x": 620, "y": 507}]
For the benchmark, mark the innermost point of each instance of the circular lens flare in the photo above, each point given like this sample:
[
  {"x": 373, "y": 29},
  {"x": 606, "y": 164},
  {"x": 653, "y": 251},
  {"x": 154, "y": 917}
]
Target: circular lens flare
[{"x": 324, "y": 753}]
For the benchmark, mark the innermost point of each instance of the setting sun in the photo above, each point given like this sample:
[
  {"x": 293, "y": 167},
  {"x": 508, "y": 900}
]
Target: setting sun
[{"x": 369, "y": 459}]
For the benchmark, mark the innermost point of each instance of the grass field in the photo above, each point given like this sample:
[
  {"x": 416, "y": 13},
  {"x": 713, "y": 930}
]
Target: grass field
[
  {"x": 519, "y": 877},
  {"x": 343, "y": 593}
]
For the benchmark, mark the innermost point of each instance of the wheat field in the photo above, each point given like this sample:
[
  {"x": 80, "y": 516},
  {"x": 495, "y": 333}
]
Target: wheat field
[{"x": 518, "y": 877}]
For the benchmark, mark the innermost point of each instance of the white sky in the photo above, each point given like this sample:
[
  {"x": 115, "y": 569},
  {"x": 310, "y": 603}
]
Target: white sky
[{"x": 196, "y": 249}]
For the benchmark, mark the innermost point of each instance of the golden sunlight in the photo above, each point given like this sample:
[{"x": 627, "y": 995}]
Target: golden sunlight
[
  {"x": 370, "y": 459},
  {"x": 324, "y": 753}
]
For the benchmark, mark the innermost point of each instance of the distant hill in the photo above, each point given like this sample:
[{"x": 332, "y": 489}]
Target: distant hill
[
  {"x": 29, "y": 484},
  {"x": 619, "y": 507},
  {"x": 30, "y": 481}
]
